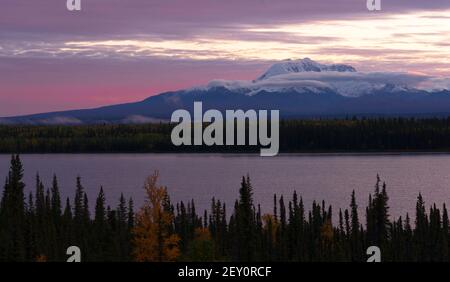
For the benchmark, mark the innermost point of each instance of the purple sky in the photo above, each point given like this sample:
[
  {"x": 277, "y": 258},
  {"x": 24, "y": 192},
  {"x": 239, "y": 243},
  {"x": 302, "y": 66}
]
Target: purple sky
[{"x": 117, "y": 51}]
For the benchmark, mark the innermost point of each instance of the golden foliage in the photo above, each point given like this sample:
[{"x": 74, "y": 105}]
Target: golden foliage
[
  {"x": 270, "y": 225},
  {"x": 41, "y": 258},
  {"x": 152, "y": 237},
  {"x": 326, "y": 231},
  {"x": 202, "y": 234}
]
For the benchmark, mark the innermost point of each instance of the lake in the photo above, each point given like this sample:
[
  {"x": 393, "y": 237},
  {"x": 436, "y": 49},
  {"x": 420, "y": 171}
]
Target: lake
[{"x": 329, "y": 177}]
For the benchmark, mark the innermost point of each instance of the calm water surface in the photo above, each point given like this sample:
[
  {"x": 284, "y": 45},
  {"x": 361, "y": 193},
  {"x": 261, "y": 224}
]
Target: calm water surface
[{"x": 202, "y": 176}]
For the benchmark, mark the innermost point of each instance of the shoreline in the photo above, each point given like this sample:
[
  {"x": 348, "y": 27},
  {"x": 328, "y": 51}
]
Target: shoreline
[{"x": 248, "y": 154}]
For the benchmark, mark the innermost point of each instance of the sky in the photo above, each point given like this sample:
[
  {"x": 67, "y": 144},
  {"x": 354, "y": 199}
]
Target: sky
[{"x": 116, "y": 51}]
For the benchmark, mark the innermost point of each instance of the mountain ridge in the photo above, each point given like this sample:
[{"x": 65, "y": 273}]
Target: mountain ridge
[
  {"x": 303, "y": 65},
  {"x": 302, "y": 88}
]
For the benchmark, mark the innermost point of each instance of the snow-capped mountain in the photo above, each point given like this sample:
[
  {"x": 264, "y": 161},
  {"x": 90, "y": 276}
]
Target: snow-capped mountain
[
  {"x": 298, "y": 89},
  {"x": 306, "y": 75},
  {"x": 303, "y": 65}
]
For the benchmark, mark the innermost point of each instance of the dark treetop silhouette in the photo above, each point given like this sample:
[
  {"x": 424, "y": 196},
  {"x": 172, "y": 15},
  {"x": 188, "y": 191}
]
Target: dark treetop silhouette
[{"x": 40, "y": 227}]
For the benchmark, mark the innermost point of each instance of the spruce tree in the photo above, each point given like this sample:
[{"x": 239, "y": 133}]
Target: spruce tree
[
  {"x": 56, "y": 200},
  {"x": 355, "y": 235},
  {"x": 12, "y": 236},
  {"x": 100, "y": 234},
  {"x": 245, "y": 221}
]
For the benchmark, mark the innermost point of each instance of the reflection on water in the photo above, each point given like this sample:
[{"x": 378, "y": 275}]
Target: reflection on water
[{"x": 202, "y": 176}]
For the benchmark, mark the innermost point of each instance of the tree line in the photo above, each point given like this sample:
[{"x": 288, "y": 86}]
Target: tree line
[
  {"x": 322, "y": 135},
  {"x": 40, "y": 227}
]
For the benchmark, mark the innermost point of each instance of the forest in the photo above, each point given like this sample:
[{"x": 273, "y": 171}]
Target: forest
[
  {"x": 324, "y": 135},
  {"x": 40, "y": 226}
]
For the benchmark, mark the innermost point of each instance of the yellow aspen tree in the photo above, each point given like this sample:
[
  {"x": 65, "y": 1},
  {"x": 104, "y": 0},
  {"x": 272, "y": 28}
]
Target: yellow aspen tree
[
  {"x": 41, "y": 258},
  {"x": 270, "y": 225},
  {"x": 152, "y": 236}
]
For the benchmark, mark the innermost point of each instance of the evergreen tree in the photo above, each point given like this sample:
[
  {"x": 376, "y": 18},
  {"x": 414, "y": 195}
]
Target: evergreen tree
[
  {"x": 421, "y": 232},
  {"x": 12, "y": 214},
  {"x": 445, "y": 231},
  {"x": 56, "y": 200},
  {"x": 130, "y": 214},
  {"x": 101, "y": 240},
  {"x": 245, "y": 221},
  {"x": 355, "y": 236}
]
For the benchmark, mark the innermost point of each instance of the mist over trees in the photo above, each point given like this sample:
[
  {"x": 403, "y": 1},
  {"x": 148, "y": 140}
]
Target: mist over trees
[{"x": 40, "y": 226}]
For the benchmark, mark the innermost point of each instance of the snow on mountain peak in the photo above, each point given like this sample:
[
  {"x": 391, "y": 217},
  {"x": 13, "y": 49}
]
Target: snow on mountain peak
[
  {"x": 303, "y": 65},
  {"x": 308, "y": 76}
]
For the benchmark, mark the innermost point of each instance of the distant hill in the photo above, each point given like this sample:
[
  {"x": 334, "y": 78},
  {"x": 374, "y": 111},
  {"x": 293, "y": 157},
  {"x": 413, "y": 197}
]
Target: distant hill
[{"x": 299, "y": 89}]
